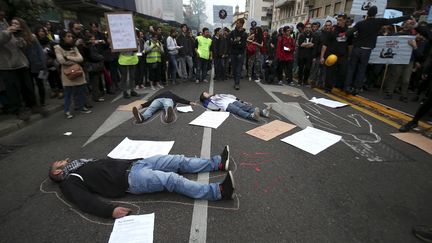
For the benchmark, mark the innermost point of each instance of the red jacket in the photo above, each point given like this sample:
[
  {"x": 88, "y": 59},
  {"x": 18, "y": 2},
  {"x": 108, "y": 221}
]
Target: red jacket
[{"x": 282, "y": 54}]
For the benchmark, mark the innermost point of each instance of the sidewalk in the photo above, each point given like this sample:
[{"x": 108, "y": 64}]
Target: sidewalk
[
  {"x": 393, "y": 111},
  {"x": 10, "y": 123}
]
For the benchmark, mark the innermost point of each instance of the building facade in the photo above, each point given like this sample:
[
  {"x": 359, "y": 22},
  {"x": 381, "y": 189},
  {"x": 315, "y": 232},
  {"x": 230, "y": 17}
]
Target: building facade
[
  {"x": 239, "y": 15},
  {"x": 261, "y": 11},
  {"x": 289, "y": 12}
]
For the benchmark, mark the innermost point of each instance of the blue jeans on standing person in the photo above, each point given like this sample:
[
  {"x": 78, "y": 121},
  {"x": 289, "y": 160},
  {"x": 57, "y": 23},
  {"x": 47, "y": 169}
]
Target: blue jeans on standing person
[
  {"x": 156, "y": 105},
  {"x": 357, "y": 68},
  {"x": 201, "y": 69},
  {"x": 241, "y": 109},
  {"x": 77, "y": 91},
  {"x": 237, "y": 66},
  {"x": 159, "y": 173},
  {"x": 173, "y": 67}
]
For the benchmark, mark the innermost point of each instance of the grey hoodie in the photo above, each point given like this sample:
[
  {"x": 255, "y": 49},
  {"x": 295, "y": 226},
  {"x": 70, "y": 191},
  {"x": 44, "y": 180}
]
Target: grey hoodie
[{"x": 11, "y": 55}]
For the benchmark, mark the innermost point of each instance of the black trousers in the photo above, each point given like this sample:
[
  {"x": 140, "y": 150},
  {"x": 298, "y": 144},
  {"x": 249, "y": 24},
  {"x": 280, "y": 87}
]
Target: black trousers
[
  {"x": 18, "y": 87},
  {"x": 336, "y": 74},
  {"x": 287, "y": 68},
  {"x": 304, "y": 67}
]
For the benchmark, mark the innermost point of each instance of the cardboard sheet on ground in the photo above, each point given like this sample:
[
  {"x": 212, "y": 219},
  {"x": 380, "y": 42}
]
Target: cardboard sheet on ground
[
  {"x": 312, "y": 140},
  {"x": 327, "y": 102},
  {"x": 271, "y": 130},
  {"x": 132, "y": 149},
  {"x": 184, "y": 108},
  {"x": 415, "y": 139},
  {"x": 128, "y": 107},
  {"x": 133, "y": 229},
  {"x": 291, "y": 93},
  {"x": 211, "y": 119}
]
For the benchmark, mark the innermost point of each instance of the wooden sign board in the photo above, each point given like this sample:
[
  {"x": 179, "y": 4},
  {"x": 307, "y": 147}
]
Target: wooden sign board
[{"x": 121, "y": 30}]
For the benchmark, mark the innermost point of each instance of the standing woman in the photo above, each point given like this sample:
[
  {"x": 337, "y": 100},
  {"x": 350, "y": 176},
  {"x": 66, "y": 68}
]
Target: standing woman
[
  {"x": 67, "y": 55},
  {"x": 54, "y": 80},
  {"x": 173, "y": 50},
  {"x": 254, "y": 60},
  {"x": 285, "y": 55},
  {"x": 154, "y": 51},
  {"x": 36, "y": 58}
]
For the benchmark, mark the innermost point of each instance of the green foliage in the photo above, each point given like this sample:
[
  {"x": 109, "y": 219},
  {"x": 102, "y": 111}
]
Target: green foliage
[{"x": 27, "y": 9}]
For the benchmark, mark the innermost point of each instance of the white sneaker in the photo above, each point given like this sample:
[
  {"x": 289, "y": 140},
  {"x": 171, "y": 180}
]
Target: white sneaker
[
  {"x": 152, "y": 87},
  {"x": 280, "y": 82},
  {"x": 68, "y": 115},
  {"x": 257, "y": 80},
  {"x": 250, "y": 78}
]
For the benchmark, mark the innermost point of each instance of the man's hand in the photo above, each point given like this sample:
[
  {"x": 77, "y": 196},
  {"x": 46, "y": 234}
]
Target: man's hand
[
  {"x": 413, "y": 44},
  {"x": 193, "y": 103},
  {"x": 322, "y": 60},
  {"x": 11, "y": 29},
  {"x": 120, "y": 212}
]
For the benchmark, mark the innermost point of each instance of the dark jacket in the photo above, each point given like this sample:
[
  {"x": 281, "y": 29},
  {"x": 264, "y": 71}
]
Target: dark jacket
[
  {"x": 368, "y": 30},
  {"x": 218, "y": 47},
  {"x": 167, "y": 94},
  {"x": 188, "y": 45},
  {"x": 237, "y": 40},
  {"x": 105, "y": 177},
  {"x": 36, "y": 56}
]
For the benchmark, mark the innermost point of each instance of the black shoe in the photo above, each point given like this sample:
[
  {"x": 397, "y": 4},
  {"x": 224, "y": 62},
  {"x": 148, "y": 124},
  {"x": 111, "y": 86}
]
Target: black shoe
[
  {"x": 237, "y": 87},
  {"x": 227, "y": 187},
  {"x": 126, "y": 95},
  {"x": 404, "y": 99},
  {"x": 133, "y": 93},
  {"x": 169, "y": 115},
  {"x": 410, "y": 125},
  {"x": 225, "y": 159},
  {"x": 423, "y": 232},
  {"x": 23, "y": 115},
  {"x": 388, "y": 96},
  {"x": 138, "y": 117}
]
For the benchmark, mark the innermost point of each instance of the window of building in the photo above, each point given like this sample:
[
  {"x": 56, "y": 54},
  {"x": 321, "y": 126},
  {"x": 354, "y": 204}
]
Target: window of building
[
  {"x": 327, "y": 10},
  {"x": 337, "y": 7}
]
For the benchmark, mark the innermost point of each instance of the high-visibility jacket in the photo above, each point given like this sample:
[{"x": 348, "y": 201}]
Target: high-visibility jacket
[
  {"x": 127, "y": 59},
  {"x": 153, "y": 56},
  {"x": 204, "y": 47}
]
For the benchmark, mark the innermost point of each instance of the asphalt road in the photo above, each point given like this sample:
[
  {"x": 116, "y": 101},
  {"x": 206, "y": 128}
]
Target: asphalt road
[{"x": 369, "y": 187}]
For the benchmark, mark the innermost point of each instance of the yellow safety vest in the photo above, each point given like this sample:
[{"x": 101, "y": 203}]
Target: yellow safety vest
[
  {"x": 153, "y": 56},
  {"x": 204, "y": 47},
  {"x": 125, "y": 59}
]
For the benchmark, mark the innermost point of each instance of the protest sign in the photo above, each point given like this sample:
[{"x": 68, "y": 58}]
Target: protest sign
[
  {"x": 121, "y": 31},
  {"x": 393, "y": 13},
  {"x": 392, "y": 50},
  {"x": 360, "y": 7}
]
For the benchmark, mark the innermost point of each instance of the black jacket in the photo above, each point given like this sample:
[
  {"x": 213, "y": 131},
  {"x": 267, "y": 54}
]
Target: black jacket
[
  {"x": 237, "y": 40},
  {"x": 167, "y": 94},
  {"x": 105, "y": 177}
]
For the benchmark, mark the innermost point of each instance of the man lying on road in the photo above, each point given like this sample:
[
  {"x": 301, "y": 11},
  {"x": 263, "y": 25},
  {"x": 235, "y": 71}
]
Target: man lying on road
[
  {"x": 166, "y": 100},
  {"x": 232, "y": 104},
  {"x": 82, "y": 180}
]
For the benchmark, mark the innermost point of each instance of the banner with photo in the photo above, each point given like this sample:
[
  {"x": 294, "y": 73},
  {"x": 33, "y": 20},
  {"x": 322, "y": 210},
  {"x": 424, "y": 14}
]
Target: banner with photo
[
  {"x": 360, "y": 7},
  {"x": 392, "y": 50}
]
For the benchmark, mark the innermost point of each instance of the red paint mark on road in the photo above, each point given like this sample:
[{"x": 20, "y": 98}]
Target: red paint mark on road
[{"x": 257, "y": 169}]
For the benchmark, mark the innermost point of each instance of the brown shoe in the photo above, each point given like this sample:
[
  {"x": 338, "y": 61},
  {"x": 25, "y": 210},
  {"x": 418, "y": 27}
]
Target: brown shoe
[
  {"x": 169, "y": 115},
  {"x": 138, "y": 117}
]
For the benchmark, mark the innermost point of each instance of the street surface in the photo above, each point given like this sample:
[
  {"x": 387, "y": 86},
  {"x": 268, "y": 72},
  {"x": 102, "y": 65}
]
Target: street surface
[{"x": 369, "y": 187}]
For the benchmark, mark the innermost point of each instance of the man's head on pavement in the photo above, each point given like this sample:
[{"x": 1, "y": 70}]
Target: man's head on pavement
[
  {"x": 372, "y": 11},
  {"x": 204, "y": 95},
  {"x": 56, "y": 170}
]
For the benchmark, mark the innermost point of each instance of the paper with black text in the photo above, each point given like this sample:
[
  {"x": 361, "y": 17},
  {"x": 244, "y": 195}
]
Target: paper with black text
[
  {"x": 133, "y": 149},
  {"x": 133, "y": 229}
]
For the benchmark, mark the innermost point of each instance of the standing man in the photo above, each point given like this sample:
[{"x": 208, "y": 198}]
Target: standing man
[
  {"x": 219, "y": 50},
  {"x": 204, "y": 55},
  {"x": 366, "y": 37},
  {"x": 185, "y": 55},
  {"x": 336, "y": 42},
  {"x": 306, "y": 43},
  {"x": 173, "y": 50},
  {"x": 237, "y": 39}
]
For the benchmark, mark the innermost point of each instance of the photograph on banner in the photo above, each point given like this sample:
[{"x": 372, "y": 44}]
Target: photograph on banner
[
  {"x": 360, "y": 7},
  {"x": 393, "y": 13},
  {"x": 392, "y": 50},
  {"x": 121, "y": 31}
]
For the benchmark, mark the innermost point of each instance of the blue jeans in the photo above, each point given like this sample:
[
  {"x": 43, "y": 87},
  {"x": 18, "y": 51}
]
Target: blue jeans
[
  {"x": 241, "y": 109},
  {"x": 77, "y": 91},
  {"x": 173, "y": 67},
  {"x": 156, "y": 105},
  {"x": 159, "y": 173},
  {"x": 237, "y": 65},
  {"x": 201, "y": 72},
  {"x": 358, "y": 62}
]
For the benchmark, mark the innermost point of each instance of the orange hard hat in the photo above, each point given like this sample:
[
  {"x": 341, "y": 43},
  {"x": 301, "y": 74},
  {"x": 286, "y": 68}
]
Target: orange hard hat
[{"x": 331, "y": 59}]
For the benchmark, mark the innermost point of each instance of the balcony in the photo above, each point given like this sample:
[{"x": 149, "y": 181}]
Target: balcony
[{"x": 280, "y": 3}]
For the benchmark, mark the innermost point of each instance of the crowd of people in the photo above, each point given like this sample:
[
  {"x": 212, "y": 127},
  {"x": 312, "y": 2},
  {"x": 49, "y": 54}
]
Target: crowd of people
[{"x": 293, "y": 56}]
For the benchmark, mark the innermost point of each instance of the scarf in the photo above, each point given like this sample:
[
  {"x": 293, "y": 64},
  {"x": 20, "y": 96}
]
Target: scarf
[{"x": 74, "y": 165}]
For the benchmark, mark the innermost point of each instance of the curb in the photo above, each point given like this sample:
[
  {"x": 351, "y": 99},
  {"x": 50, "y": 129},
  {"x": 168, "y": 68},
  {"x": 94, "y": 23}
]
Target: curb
[
  {"x": 13, "y": 124},
  {"x": 392, "y": 116}
]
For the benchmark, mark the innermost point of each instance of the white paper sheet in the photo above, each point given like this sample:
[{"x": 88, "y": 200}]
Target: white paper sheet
[
  {"x": 327, "y": 102},
  {"x": 132, "y": 149},
  {"x": 211, "y": 119},
  {"x": 312, "y": 140},
  {"x": 184, "y": 108},
  {"x": 133, "y": 229}
]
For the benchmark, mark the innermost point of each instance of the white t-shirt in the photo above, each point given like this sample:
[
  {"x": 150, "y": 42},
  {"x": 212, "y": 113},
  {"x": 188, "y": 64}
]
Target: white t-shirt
[{"x": 223, "y": 100}]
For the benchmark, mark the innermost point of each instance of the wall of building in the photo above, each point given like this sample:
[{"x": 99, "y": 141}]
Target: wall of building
[{"x": 260, "y": 11}]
